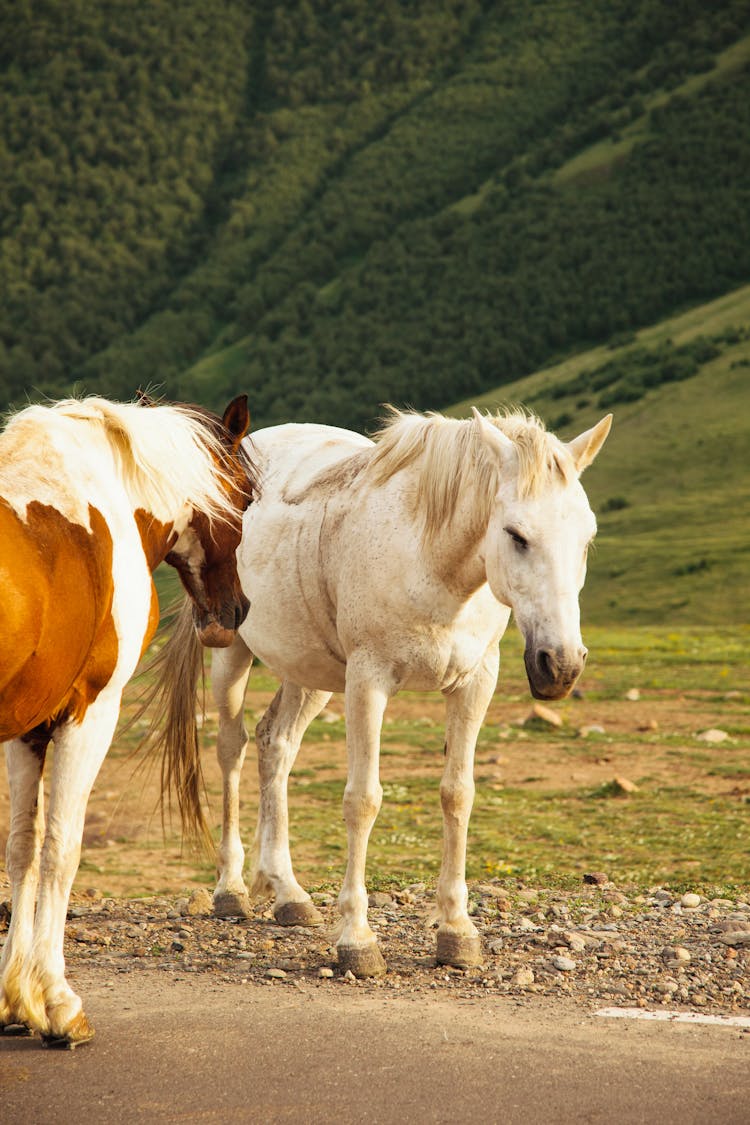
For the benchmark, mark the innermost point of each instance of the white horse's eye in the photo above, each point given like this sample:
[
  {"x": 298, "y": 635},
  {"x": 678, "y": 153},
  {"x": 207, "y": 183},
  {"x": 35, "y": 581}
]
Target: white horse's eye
[{"x": 517, "y": 538}]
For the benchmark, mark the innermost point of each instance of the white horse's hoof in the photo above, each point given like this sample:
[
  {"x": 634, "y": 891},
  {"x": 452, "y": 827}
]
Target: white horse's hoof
[
  {"x": 229, "y": 904},
  {"x": 463, "y": 951},
  {"x": 298, "y": 914},
  {"x": 78, "y": 1032},
  {"x": 361, "y": 960}
]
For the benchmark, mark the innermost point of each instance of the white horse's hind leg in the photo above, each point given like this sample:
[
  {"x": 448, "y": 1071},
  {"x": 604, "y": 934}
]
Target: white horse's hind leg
[
  {"x": 24, "y": 765},
  {"x": 365, "y": 703},
  {"x": 230, "y": 668},
  {"x": 47, "y": 1002},
  {"x": 457, "y": 940},
  {"x": 278, "y": 735}
]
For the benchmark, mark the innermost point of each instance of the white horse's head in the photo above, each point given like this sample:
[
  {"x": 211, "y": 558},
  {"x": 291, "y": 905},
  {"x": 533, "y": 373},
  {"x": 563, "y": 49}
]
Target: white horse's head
[{"x": 535, "y": 550}]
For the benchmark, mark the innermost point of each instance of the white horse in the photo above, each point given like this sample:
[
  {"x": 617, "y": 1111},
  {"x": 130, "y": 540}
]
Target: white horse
[{"x": 372, "y": 567}]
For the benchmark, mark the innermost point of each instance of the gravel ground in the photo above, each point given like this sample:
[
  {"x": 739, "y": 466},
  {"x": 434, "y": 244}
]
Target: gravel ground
[{"x": 596, "y": 946}]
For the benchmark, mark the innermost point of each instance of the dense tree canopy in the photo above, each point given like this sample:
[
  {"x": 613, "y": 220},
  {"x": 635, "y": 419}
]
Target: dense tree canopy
[{"x": 335, "y": 204}]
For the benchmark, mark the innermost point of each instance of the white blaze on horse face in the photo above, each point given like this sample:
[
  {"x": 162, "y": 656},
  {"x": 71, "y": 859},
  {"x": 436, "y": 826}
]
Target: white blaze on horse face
[{"x": 535, "y": 558}]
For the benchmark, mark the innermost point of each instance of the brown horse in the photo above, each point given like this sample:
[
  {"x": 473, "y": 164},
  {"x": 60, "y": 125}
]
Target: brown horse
[{"x": 93, "y": 496}]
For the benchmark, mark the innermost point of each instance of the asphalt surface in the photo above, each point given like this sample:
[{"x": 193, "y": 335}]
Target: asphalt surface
[{"x": 197, "y": 1050}]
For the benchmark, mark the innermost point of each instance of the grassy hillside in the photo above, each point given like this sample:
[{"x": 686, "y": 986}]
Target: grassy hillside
[
  {"x": 334, "y": 204},
  {"x": 672, "y": 486}
]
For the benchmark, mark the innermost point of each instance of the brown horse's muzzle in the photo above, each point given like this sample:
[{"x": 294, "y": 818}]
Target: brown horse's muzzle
[{"x": 219, "y": 630}]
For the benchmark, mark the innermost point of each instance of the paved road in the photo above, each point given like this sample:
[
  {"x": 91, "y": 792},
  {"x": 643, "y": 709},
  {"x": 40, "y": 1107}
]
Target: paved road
[{"x": 193, "y": 1050}]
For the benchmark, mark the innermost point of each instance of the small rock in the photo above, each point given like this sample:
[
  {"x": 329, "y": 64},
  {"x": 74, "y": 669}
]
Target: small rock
[
  {"x": 592, "y": 728},
  {"x": 712, "y": 735},
  {"x": 325, "y": 973},
  {"x": 676, "y": 953},
  {"x": 496, "y": 946},
  {"x": 690, "y": 901},
  {"x": 575, "y": 942},
  {"x": 522, "y": 978},
  {"x": 177, "y": 946},
  {"x": 596, "y": 878},
  {"x": 735, "y": 938},
  {"x": 542, "y": 714},
  {"x": 200, "y": 903},
  {"x": 564, "y": 964},
  {"x": 379, "y": 898},
  {"x": 349, "y": 977},
  {"x": 275, "y": 974},
  {"x": 625, "y": 785},
  {"x": 633, "y": 695}
]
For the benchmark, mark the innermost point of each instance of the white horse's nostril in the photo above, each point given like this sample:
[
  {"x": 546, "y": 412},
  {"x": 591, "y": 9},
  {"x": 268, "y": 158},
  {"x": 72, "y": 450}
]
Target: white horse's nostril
[{"x": 547, "y": 663}]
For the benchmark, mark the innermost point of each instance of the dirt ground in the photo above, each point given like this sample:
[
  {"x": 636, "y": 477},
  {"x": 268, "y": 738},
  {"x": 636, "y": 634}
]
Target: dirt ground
[
  {"x": 654, "y": 737},
  {"x": 597, "y": 943}
]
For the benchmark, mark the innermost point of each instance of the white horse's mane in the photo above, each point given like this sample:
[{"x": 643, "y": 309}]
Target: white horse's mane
[
  {"x": 167, "y": 456},
  {"x": 455, "y": 463}
]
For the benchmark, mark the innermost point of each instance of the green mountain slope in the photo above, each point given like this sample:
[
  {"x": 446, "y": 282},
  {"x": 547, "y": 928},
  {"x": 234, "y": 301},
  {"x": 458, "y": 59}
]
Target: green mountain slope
[
  {"x": 672, "y": 486},
  {"x": 335, "y": 204}
]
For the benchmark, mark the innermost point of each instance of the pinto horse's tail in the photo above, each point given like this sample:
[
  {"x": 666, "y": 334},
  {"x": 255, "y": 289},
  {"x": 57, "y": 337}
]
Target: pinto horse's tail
[{"x": 174, "y": 730}]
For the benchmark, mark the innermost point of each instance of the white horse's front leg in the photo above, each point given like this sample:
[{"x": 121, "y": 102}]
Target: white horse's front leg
[
  {"x": 25, "y": 765},
  {"x": 48, "y": 1004},
  {"x": 457, "y": 940},
  {"x": 366, "y": 700},
  {"x": 278, "y": 736},
  {"x": 230, "y": 668}
]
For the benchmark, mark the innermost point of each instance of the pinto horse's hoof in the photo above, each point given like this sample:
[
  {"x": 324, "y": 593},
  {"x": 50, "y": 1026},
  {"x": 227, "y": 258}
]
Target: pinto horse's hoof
[
  {"x": 230, "y": 904},
  {"x": 361, "y": 960},
  {"x": 463, "y": 951},
  {"x": 80, "y": 1031},
  {"x": 15, "y": 1029},
  {"x": 298, "y": 914}
]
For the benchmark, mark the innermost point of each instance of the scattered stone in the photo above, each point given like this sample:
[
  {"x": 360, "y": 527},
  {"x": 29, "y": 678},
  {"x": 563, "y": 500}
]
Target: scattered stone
[
  {"x": 712, "y": 735},
  {"x": 325, "y": 973},
  {"x": 676, "y": 953},
  {"x": 690, "y": 901},
  {"x": 575, "y": 942},
  {"x": 496, "y": 946},
  {"x": 522, "y": 978},
  {"x": 633, "y": 695},
  {"x": 564, "y": 964},
  {"x": 200, "y": 903},
  {"x": 735, "y": 937},
  {"x": 349, "y": 977},
  {"x": 543, "y": 715},
  {"x": 596, "y": 878},
  {"x": 592, "y": 728},
  {"x": 379, "y": 898},
  {"x": 625, "y": 785},
  {"x": 275, "y": 974},
  {"x": 177, "y": 946}
]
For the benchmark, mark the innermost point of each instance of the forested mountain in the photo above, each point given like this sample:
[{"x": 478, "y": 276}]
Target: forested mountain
[{"x": 332, "y": 204}]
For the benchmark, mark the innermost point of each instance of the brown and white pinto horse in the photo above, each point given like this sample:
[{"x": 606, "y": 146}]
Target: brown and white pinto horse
[{"x": 93, "y": 496}]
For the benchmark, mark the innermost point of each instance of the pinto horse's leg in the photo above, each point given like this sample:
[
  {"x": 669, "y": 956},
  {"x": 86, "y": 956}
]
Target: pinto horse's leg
[
  {"x": 366, "y": 700},
  {"x": 457, "y": 939},
  {"x": 25, "y": 765},
  {"x": 230, "y": 668},
  {"x": 278, "y": 735},
  {"x": 48, "y": 1003}
]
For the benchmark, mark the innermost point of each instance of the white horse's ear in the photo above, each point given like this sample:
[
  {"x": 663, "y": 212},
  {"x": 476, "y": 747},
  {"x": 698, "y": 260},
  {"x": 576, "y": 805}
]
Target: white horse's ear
[
  {"x": 585, "y": 447},
  {"x": 498, "y": 442}
]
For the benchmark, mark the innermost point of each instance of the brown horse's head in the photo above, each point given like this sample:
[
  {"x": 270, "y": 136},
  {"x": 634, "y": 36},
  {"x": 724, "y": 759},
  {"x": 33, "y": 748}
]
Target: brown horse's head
[{"x": 204, "y": 555}]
